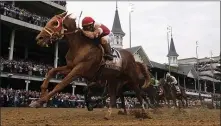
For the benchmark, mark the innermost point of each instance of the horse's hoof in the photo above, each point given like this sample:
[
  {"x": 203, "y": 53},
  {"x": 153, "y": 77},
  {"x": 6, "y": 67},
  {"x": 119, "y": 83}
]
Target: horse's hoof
[{"x": 35, "y": 105}]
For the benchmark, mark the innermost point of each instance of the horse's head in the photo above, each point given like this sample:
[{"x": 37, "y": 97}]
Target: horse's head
[{"x": 55, "y": 29}]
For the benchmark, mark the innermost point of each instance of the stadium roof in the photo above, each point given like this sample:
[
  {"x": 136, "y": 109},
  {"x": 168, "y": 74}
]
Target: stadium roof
[{"x": 141, "y": 52}]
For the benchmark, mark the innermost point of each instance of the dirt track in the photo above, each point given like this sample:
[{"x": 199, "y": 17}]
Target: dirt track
[{"x": 77, "y": 117}]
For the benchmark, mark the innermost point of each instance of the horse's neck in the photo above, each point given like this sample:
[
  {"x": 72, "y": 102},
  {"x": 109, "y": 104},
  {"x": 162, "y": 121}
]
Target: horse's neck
[
  {"x": 78, "y": 43},
  {"x": 74, "y": 41},
  {"x": 166, "y": 87}
]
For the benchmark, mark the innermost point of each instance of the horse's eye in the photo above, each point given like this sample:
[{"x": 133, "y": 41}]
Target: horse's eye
[{"x": 55, "y": 24}]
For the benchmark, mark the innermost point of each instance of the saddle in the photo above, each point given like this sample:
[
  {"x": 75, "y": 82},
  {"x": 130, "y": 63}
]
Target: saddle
[{"x": 116, "y": 63}]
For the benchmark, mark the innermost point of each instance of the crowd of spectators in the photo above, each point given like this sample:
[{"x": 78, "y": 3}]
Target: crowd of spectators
[
  {"x": 204, "y": 66},
  {"x": 22, "y": 98},
  {"x": 30, "y": 68},
  {"x": 62, "y": 3},
  {"x": 208, "y": 68},
  {"x": 16, "y": 98},
  {"x": 10, "y": 10}
]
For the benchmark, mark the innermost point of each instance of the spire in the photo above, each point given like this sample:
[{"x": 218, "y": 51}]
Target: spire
[
  {"x": 172, "y": 51},
  {"x": 171, "y": 33},
  {"x": 116, "y": 5},
  {"x": 116, "y": 28}
]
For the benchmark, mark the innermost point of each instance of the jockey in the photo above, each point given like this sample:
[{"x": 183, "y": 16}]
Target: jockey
[
  {"x": 95, "y": 30},
  {"x": 172, "y": 80}
]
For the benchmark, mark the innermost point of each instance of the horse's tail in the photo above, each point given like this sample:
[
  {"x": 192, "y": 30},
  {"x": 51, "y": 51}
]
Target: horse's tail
[{"x": 145, "y": 73}]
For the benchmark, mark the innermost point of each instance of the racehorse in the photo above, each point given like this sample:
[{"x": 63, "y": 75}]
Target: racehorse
[
  {"x": 84, "y": 59},
  {"x": 170, "y": 93}
]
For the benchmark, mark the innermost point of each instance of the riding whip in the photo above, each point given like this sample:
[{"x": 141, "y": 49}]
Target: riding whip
[{"x": 79, "y": 19}]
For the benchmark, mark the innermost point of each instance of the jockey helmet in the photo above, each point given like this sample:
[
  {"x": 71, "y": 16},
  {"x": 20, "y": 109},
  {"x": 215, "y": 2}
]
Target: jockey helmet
[{"x": 87, "y": 21}]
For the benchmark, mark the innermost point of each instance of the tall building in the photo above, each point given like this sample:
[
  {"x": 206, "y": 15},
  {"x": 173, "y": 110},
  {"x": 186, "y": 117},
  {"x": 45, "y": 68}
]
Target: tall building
[{"x": 117, "y": 31}]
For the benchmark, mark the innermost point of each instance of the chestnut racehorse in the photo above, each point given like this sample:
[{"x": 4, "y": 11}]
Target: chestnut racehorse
[{"x": 84, "y": 59}]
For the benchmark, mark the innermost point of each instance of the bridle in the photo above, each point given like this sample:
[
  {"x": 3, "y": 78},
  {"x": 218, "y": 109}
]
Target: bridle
[{"x": 59, "y": 31}]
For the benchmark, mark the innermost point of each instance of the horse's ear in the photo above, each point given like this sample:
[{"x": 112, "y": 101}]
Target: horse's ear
[
  {"x": 68, "y": 15},
  {"x": 63, "y": 14},
  {"x": 71, "y": 17}
]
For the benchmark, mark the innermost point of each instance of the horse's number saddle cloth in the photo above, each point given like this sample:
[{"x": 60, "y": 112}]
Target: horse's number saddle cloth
[{"x": 116, "y": 63}]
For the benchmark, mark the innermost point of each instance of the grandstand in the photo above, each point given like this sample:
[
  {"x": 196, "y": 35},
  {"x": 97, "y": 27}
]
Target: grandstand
[
  {"x": 209, "y": 71},
  {"x": 24, "y": 63}
]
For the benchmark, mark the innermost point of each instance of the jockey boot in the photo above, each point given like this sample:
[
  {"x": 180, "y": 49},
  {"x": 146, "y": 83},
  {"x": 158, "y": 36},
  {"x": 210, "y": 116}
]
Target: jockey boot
[{"x": 107, "y": 50}]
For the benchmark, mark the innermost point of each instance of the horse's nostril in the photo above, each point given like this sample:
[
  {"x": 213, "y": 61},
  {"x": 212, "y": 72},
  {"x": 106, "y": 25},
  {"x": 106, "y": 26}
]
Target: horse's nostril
[{"x": 40, "y": 38}]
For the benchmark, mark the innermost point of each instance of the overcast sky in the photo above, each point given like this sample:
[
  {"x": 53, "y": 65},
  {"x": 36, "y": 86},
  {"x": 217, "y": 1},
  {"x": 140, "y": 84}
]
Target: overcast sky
[{"x": 191, "y": 22}]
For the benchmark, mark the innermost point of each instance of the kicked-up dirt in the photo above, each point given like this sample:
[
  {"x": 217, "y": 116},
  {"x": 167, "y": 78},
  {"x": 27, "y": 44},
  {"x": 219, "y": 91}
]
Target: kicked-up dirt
[{"x": 82, "y": 117}]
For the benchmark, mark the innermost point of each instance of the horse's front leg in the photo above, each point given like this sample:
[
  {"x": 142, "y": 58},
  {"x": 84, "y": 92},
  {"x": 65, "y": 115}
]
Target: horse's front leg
[
  {"x": 112, "y": 103},
  {"x": 49, "y": 75},
  {"x": 75, "y": 72}
]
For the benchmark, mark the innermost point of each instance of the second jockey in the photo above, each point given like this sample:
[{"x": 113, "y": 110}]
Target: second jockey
[
  {"x": 95, "y": 30},
  {"x": 172, "y": 80}
]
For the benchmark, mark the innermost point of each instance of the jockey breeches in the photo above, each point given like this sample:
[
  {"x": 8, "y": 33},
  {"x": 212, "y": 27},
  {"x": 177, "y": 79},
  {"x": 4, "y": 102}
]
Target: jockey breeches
[{"x": 104, "y": 39}]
